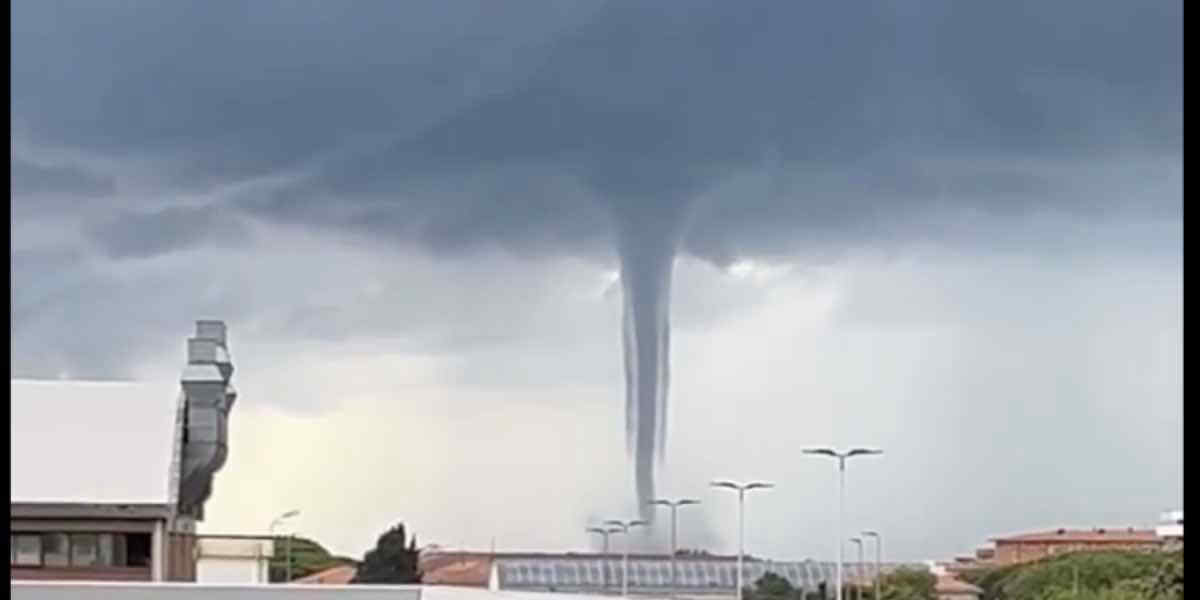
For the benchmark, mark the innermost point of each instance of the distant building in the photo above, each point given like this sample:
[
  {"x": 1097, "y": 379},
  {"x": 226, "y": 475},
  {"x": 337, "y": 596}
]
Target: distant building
[
  {"x": 951, "y": 588},
  {"x": 1170, "y": 529},
  {"x": 109, "y": 479},
  {"x": 1033, "y": 546},
  {"x": 463, "y": 569},
  {"x": 649, "y": 575},
  {"x": 339, "y": 575},
  {"x": 234, "y": 558}
]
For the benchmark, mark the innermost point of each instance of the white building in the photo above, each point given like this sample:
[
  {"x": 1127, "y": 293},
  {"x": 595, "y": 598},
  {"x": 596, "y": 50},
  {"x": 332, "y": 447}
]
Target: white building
[
  {"x": 233, "y": 559},
  {"x": 1170, "y": 527},
  {"x": 109, "y": 478}
]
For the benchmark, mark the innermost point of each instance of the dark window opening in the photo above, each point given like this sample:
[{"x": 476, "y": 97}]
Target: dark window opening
[
  {"x": 57, "y": 549},
  {"x": 138, "y": 548}
]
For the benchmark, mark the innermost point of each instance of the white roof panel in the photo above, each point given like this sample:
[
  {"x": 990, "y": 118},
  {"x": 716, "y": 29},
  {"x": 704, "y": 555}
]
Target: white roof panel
[{"x": 93, "y": 442}]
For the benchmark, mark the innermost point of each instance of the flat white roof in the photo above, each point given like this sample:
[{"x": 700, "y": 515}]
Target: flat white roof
[
  {"x": 233, "y": 548},
  {"x": 93, "y": 441}
]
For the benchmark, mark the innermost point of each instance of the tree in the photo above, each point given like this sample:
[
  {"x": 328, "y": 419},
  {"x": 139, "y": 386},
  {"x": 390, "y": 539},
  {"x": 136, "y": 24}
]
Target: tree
[
  {"x": 908, "y": 584},
  {"x": 1109, "y": 575},
  {"x": 771, "y": 587},
  {"x": 307, "y": 557},
  {"x": 392, "y": 561}
]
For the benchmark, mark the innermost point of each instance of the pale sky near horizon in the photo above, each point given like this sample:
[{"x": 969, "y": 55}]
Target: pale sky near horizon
[{"x": 951, "y": 231}]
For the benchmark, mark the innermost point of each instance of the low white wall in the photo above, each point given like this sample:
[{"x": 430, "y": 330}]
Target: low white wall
[
  {"x": 80, "y": 590},
  {"x": 231, "y": 570},
  {"x": 63, "y": 590},
  {"x": 227, "y": 560}
]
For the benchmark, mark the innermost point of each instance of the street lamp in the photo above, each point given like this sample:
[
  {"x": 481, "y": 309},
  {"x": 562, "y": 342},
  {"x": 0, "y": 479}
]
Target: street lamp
[
  {"x": 741, "y": 490},
  {"x": 841, "y": 458},
  {"x": 280, "y": 519},
  {"x": 674, "y": 506},
  {"x": 858, "y": 593},
  {"x": 605, "y": 533},
  {"x": 878, "y": 556},
  {"x": 624, "y": 526}
]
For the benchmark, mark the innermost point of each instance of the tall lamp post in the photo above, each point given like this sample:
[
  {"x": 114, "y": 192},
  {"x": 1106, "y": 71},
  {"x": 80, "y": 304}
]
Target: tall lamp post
[
  {"x": 674, "y": 506},
  {"x": 859, "y": 542},
  {"x": 624, "y": 526},
  {"x": 605, "y": 533},
  {"x": 841, "y": 458},
  {"x": 878, "y": 557},
  {"x": 741, "y": 489},
  {"x": 275, "y": 523}
]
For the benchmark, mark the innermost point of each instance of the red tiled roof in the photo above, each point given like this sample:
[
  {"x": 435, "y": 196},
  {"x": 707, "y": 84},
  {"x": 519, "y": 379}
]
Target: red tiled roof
[
  {"x": 457, "y": 570},
  {"x": 339, "y": 575},
  {"x": 950, "y": 585},
  {"x": 1085, "y": 536}
]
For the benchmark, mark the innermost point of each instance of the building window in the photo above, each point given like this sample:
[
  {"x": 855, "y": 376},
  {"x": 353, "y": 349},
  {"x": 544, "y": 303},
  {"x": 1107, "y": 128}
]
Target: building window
[
  {"x": 83, "y": 550},
  {"x": 28, "y": 551},
  {"x": 138, "y": 549},
  {"x": 55, "y": 550},
  {"x": 111, "y": 550}
]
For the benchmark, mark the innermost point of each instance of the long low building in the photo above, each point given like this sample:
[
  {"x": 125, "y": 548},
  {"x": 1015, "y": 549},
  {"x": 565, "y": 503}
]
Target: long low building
[
  {"x": 649, "y": 575},
  {"x": 1028, "y": 547}
]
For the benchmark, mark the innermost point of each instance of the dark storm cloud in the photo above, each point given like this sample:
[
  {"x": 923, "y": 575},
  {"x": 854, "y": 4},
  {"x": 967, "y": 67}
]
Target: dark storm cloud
[
  {"x": 618, "y": 131},
  {"x": 637, "y": 103},
  {"x": 75, "y": 314},
  {"x": 129, "y": 234},
  {"x": 29, "y": 179},
  {"x": 236, "y": 90},
  {"x": 550, "y": 130}
]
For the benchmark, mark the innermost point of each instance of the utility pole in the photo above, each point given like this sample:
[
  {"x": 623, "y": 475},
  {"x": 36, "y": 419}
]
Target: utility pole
[
  {"x": 878, "y": 558},
  {"x": 605, "y": 533},
  {"x": 858, "y": 587},
  {"x": 841, "y": 458},
  {"x": 741, "y": 489},
  {"x": 674, "y": 506},
  {"x": 280, "y": 519},
  {"x": 624, "y": 526}
]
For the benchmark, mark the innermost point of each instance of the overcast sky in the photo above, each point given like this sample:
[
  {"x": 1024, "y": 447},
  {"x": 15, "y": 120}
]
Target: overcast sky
[{"x": 951, "y": 230}]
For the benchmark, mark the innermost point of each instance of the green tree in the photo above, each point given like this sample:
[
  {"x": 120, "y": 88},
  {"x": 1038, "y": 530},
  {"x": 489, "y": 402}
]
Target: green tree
[
  {"x": 1168, "y": 581},
  {"x": 391, "y": 561},
  {"x": 771, "y": 587},
  {"x": 908, "y": 584},
  {"x": 307, "y": 557},
  {"x": 1111, "y": 575}
]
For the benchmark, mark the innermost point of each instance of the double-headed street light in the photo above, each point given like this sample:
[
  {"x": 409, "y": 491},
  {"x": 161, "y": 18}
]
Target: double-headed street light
[
  {"x": 605, "y": 533},
  {"x": 280, "y": 519},
  {"x": 878, "y": 557},
  {"x": 859, "y": 542},
  {"x": 674, "y": 506},
  {"x": 741, "y": 489},
  {"x": 841, "y": 458},
  {"x": 624, "y": 527}
]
